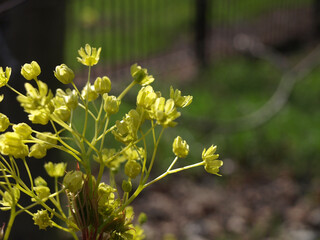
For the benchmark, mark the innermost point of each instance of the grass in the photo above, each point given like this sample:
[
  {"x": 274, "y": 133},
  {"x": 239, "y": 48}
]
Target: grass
[
  {"x": 237, "y": 87},
  {"x": 128, "y": 30}
]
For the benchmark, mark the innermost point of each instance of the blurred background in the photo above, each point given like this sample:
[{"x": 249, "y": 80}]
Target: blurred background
[{"x": 253, "y": 69}]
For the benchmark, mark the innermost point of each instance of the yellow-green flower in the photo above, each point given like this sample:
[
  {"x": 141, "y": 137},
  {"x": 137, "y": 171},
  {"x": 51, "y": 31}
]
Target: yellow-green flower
[
  {"x": 165, "y": 112},
  {"x": 126, "y": 129},
  {"x": 42, "y": 192},
  {"x": 140, "y": 75},
  {"x": 134, "y": 153},
  {"x": 41, "y": 116},
  {"x": 89, "y": 93},
  {"x": 42, "y": 219},
  {"x": 73, "y": 181},
  {"x": 111, "y": 104},
  {"x": 30, "y": 71},
  {"x": 102, "y": 85},
  {"x": 39, "y": 181},
  {"x": 55, "y": 169},
  {"x": 146, "y": 97},
  {"x": 38, "y": 151},
  {"x": 4, "y": 122},
  {"x": 180, "y": 101},
  {"x": 64, "y": 74},
  {"x": 11, "y": 144},
  {"x": 4, "y": 76},
  {"x": 61, "y": 110},
  {"x": 37, "y": 103},
  {"x": 106, "y": 199},
  {"x": 108, "y": 158},
  {"x": 132, "y": 169},
  {"x": 180, "y": 147},
  {"x": 211, "y": 164},
  {"x": 69, "y": 96},
  {"x": 23, "y": 129},
  {"x": 89, "y": 56},
  {"x": 10, "y": 198}
]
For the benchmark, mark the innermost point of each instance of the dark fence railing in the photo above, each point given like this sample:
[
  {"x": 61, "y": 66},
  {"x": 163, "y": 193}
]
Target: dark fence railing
[{"x": 133, "y": 30}]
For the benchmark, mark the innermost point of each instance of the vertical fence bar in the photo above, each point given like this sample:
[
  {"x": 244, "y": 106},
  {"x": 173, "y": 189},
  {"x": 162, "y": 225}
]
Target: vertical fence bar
[
  {"x": 316, "y": 18},
  {"x": 201, "y": 31}
]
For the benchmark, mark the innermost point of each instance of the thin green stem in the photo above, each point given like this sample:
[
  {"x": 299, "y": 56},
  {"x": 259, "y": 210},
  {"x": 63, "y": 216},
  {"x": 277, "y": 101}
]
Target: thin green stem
[
  {"x": 186, "y": 167},
  {"x": 86, "y": 106},
  {"x": 28, "y": 172},
  {"x": 10, "y": 223},
  {"x": 17, "y": 92},
  {"x": 125, "y": 91},
  {"x": 154, "y": 153}
]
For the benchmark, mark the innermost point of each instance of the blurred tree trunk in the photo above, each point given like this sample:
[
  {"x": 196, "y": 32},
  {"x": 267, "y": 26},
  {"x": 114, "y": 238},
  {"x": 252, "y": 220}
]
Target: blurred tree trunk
[{"x": 30, "y": 30}]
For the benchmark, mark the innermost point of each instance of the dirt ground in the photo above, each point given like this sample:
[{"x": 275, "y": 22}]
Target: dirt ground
[{"x": 248, "y": 207}]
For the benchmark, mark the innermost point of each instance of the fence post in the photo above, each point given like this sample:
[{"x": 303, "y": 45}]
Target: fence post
[
  {"x": 201, "y": 31},
  {"x": 316, "y": 16}
]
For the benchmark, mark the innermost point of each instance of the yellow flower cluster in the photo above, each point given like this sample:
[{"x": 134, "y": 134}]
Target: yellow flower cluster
[{"x": 95, "y": 208}]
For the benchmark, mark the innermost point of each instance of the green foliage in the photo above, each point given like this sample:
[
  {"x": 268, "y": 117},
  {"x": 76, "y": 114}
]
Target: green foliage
[{"x": 239, "y": 86}]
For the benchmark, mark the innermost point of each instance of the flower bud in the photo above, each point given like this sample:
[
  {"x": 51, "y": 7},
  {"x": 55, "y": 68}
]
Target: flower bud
[
  {"x": 39, "y": 116},
  {"x": 132, "y": 169},
  {"x": 38, "y": 151},
  {"x": 73, "y": 181},
  {"x": 71, "y": 99},
  {"x": 4, "y": 122},
  {"x": 126, "y": 186},
  {"x": 102, "y": 85},
  {"x": 4, "y": 76},
  {"x": 23, "y": 129},
  {"x": 42, "y": 219},
  {"x": 146, "y": 97},
  {"x": 64, "y": 74},
  {"x": 11, "y": 144},
  {"x": 10, "y": 199},
  {"x": 55, "y": 169},
  {"x": 142, "y": 218},
  {"x": 30, "y": 71},
  {"x": 63, "y": 113},
  {"x": 88, "y": 92},
  {"x": 111, "y": 104},
  {"x": 180, "y": 148},
  {"x": 39, "y": 181},
  {"x": 42, "y": 192}
]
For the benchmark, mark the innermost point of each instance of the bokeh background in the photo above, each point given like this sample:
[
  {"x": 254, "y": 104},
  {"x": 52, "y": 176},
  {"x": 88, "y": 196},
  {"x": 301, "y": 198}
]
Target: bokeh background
[{"x": 253, "y": 69}]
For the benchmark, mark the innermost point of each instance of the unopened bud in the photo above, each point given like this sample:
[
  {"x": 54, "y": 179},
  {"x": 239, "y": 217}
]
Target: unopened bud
[
  {"x": 180, "y": 148},
  {"x": 73, "y": 181},
  {"x": 132, "y": 169},
  {"x": 30, "y": 71},
  {"x": 111, "y": 104},
  {"x": 102, "y": 85},
  {"x": 126, "y": 186},
  {"x": 64, "y": 74}
]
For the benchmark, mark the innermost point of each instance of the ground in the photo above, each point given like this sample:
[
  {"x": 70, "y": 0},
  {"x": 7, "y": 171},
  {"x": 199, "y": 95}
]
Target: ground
[{"x": 253, "y": 207}]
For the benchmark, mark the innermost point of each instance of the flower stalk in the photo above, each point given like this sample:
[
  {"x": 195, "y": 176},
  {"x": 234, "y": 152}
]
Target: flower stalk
[{"x": 96, "y": 209}]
